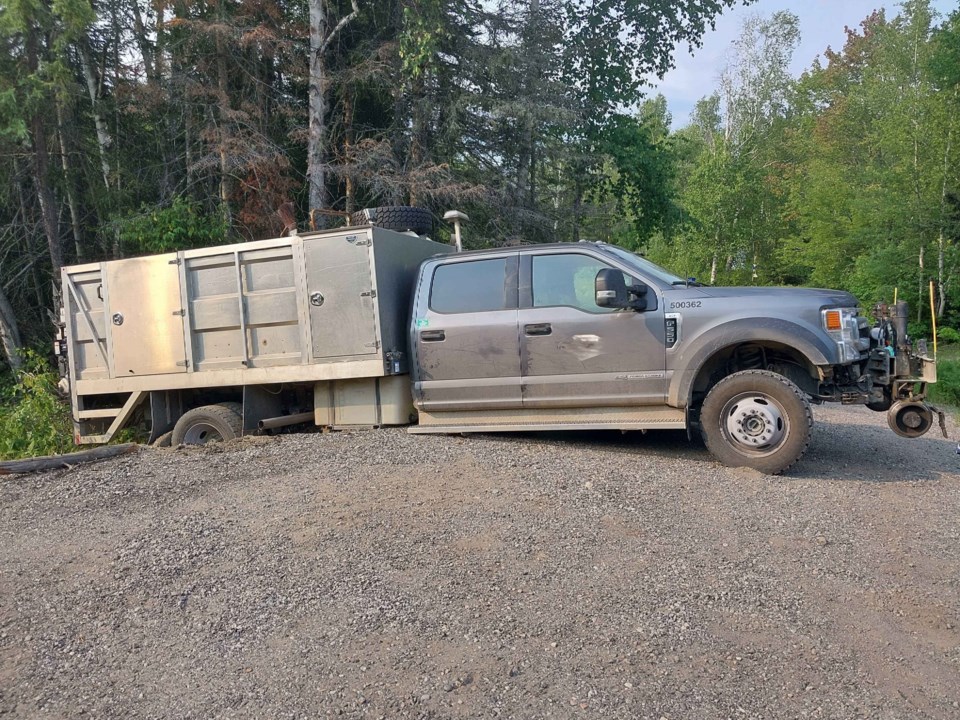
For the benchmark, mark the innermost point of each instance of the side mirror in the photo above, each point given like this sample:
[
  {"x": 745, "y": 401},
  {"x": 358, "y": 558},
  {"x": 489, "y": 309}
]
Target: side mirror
[{"x": 612, "y": 291}]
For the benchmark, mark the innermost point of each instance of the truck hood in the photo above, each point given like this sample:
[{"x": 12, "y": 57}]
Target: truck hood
[{"x": 760, "y": 295}]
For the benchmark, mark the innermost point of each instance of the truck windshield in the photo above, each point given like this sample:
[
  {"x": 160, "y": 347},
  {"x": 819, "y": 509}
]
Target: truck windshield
[{"x": 643, "y": 265}]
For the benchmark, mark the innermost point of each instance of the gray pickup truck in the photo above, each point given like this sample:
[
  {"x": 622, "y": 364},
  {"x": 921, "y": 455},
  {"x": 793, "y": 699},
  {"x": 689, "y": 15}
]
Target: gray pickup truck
[{"x": 369, "y": 326}]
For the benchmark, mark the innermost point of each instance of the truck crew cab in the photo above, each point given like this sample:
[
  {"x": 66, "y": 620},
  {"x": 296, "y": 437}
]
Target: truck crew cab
[{"x": 233, "y": 339}]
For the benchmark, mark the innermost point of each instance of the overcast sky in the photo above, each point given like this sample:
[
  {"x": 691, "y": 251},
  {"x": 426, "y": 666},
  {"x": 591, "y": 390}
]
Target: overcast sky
[{"x": 821, "y": 26}]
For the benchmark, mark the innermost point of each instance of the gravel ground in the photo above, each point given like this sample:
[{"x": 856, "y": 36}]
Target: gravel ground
[{"x": 382, "y": 575}]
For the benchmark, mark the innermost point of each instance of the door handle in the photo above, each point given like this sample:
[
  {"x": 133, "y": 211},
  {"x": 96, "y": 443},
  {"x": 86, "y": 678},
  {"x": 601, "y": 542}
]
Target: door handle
[
  {"x": 538, "y": 329},
  {"x": 433, "y": 335}
]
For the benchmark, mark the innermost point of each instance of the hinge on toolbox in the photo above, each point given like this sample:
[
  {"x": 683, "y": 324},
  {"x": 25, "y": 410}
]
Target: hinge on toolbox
[
  {"x": 372, "y": 294},
  {"x": 175, "y": 261},
  {"x": 183, "y": 364},
  {"x": 181, "y": 312},
  {"x": 375, "y": 344}
]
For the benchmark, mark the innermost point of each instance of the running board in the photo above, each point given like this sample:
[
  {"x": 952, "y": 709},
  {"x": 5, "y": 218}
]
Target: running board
[{"x": 530, "y": 419}]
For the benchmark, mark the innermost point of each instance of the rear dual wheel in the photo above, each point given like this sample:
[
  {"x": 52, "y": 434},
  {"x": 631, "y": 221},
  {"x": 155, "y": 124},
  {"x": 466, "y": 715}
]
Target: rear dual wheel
[
  {"x": 756, "y": 419},
  {"x": 210, "y": 423}
]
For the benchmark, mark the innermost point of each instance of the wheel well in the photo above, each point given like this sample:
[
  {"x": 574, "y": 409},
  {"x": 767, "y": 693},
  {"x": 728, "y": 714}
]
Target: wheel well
[{"x": 768, "y": 355}]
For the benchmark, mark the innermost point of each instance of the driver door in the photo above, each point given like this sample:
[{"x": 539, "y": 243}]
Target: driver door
[{"x": 574, "y": 353}]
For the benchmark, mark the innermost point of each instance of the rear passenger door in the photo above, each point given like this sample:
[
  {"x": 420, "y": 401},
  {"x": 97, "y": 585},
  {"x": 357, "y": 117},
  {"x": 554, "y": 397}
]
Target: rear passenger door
[{"x": 467, "y": 345}]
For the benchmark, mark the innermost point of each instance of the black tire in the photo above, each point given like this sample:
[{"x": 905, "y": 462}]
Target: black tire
[
  {"x": 209, "y": 423},
  {"x": 756, "y": 419},
  {"x": 396, "y": 217},
  {"x": 882, "y": 405}
]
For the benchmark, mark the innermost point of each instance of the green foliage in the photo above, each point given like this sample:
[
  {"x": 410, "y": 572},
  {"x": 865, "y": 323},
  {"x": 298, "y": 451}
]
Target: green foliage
[
  {"x": 847, "y": 178},
  {"x": 642, "y": 167},
  {"x": 944, "y": 63},
  {"x": 181, "y": 226},
  {"x": 948, "y": 335},
  {"x": 12, "y": 124},
  {"x": 610, "y": 47},
  {"x": 947, "y": 388},
  {"x": 420, "y": 37},
  {"x": 33, "y": 419}
]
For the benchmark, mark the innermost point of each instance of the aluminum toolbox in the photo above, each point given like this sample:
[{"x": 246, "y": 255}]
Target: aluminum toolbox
[{"x": 321, "y": 306}]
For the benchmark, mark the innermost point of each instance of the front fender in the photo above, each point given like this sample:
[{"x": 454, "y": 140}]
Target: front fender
[{"x": 692, "y": 354}]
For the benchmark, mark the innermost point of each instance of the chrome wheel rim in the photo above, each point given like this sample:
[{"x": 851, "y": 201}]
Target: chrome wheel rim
[
  {"x": 754, "y": 424},
  {"x": 201, "y": 433}
]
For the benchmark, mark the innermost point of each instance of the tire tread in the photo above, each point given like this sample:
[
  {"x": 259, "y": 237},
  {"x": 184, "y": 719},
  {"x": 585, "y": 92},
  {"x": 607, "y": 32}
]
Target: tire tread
[
  {"x": 395, "y": 217},
  {"x": 229, "y": 414},
  {"x": 788, "y": 385}
]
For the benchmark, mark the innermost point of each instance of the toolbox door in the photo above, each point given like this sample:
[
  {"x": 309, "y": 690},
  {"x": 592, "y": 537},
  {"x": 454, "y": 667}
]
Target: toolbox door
[
  {"x": 145, "y": 315},
  {"x": 341, "y": 295}
]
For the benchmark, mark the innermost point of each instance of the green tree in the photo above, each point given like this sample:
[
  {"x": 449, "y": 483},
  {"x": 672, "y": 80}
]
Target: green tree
[
  {"x": 873, "y": 200},
  {"x": 732, "y": 196}
]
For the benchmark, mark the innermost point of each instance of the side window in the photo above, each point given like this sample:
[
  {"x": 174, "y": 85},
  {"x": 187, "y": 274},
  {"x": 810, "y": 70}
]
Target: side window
[
  {"x": 475, "y": 286},
  {"x": 566, "y": 280}
]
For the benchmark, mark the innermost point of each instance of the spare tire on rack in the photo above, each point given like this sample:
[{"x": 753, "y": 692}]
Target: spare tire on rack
[{"x": 395, "y": 217}]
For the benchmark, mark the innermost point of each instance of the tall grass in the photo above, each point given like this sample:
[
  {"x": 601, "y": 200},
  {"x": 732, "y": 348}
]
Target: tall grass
[{"x": 946, "y": 391}]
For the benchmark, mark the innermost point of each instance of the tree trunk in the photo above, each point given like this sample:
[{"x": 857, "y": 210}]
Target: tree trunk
[
  {"x": 143, "y": 42},
  {"x": 187, "y": 139},
  {"x": 41, "y": 166},
  {"x": 68, "y": 184},
  {"x": 10, "y": 334},
  {"x": 48, "y": 204},
  {"x": 713, "y": 270},
  {"x": 525, "y": 194},
  {"x": 941, "y": 283},
  {"x": 349, "y": 190},
  {"x": 418, "y": 137},
  {"x": 53, "y": 462},
  {"x": 577, "y": 208},
  {"x": 319, "y": 198},
  {"x": 161, "y": 61},
  {"x": 920, "y": 290},
  {"x": 21, "y": 178},
  {"x": 224, "y": 106},
  {"x": 93, "y": 90},
  {"x": 320, "y": 39},
  {"x": 941, "y": 239},
  {"x": 532, "y": 200}
]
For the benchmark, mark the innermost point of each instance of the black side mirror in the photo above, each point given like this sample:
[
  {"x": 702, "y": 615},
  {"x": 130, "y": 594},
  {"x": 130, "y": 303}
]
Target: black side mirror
[
  {"x": 639, "y": 292},
  {"x": 612, "y": 291}
]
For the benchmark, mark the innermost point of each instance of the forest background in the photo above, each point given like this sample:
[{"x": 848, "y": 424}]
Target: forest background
[{"x": 139, "y": 126}]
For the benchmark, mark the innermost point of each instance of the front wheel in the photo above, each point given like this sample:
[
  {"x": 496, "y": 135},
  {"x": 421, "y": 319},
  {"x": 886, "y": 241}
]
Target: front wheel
[{"x": 756, "y": 419}]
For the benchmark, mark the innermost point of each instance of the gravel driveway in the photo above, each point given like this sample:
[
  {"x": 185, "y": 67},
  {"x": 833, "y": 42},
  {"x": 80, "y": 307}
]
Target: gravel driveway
[{"x": 382, "y": 575}]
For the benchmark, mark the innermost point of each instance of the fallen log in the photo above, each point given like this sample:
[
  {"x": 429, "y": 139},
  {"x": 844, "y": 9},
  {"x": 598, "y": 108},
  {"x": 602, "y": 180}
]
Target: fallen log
[{"x": 53, "y": 462}]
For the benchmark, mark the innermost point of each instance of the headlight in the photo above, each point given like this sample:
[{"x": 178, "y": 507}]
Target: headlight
[{"x": 843, "y": 326}]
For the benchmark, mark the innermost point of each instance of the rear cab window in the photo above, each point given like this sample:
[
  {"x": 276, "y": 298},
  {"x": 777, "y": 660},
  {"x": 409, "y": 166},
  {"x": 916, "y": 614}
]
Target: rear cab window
[{"x": 474, "y": 286}]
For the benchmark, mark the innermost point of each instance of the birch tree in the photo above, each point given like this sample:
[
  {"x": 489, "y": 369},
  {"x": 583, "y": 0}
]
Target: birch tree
[{"x": 324, "y": 30}]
